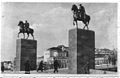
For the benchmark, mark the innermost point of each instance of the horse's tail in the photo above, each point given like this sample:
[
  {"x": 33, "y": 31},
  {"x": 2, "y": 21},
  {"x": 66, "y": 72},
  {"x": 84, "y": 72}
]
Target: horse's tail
[
  {"x": 88, "y": 19},
  {"x": 31, "y": 30}
]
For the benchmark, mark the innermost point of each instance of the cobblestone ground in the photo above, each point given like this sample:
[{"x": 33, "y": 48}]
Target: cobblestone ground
[
  {"x": 61, "y": 71},
  {"x": 64, "y": 71}
]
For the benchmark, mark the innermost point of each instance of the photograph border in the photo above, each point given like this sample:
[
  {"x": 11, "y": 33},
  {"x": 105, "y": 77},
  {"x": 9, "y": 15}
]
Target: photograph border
[{"x": 71, "y": 75}]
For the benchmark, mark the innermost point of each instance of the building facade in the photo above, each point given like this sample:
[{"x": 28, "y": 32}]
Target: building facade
[
  {"x": 105, "y": 56},
  {"x": 60, "y": 53}
]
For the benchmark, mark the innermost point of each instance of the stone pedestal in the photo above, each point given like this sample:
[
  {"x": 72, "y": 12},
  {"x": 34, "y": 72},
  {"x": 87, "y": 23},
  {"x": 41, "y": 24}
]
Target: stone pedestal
[
  {"x": 82, "y": 51},
  {"x": 25, "y": 50}
]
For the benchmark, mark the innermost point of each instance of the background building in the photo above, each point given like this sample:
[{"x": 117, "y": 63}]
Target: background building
[
  {"x": 8, "y": 65},
  {"x": 60, "y": 53},
  {"x": 105, "y": 56}
]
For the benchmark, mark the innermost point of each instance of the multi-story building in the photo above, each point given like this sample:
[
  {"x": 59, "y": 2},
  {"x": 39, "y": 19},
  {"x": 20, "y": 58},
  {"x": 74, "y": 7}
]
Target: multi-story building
[
  {"x": 8, "y": 65},
  {"x": 60, "y": 53},
  {"x": 102, "y": 56},
  {"x": 105, "y": 56}
]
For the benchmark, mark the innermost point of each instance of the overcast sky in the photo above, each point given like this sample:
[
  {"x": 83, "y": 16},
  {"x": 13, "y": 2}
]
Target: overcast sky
[{"x": 51, "y": 23}]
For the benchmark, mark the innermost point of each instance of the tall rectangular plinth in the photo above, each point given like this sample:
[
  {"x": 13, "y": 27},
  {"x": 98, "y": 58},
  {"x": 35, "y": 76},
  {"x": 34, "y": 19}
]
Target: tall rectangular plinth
[
  {"x": 26, "y": 50},
  {"x": 82, "y": 51}
]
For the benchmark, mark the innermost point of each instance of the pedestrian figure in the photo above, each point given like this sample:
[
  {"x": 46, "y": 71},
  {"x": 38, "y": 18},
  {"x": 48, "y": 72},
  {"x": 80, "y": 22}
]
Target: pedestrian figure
[
  {"x": 45, "y": 66},
  {"x": 40, "y": 66},
  {"x": 27, "y": 67},
  {"x": 56, "y": 65},
  {"x": 87, "y": 68},
  {"x": 104, "y": 72},
  {"x": 2, "y": 67}
]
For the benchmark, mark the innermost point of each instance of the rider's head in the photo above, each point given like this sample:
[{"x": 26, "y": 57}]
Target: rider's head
[
  {"x": 80, "y": 4},
  {"x": 26, "y": 21}
]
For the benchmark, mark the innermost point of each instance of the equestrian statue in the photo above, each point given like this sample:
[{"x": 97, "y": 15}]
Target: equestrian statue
[
  {"x": 24, "y": 28},
  {"x": 79, "y": 14}
]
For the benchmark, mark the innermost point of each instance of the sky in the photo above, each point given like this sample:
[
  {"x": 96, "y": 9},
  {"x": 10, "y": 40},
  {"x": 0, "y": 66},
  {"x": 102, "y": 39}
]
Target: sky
[{"x": 51, "y": 23}]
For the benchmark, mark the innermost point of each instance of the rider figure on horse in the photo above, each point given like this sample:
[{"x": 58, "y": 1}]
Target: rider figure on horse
[
  {"x": 26, "y": 25},
  {"x": 81, "y": 11}
]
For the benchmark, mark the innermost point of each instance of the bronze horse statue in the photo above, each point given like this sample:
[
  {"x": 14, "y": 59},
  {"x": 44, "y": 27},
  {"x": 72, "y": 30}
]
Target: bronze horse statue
[
  {"x": 24, "y": 30},
  {"x": 76, "y": 17}
]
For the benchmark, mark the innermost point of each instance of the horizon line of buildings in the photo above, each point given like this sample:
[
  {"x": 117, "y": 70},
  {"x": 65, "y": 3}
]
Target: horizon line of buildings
[{"x": 61, "y": 53}]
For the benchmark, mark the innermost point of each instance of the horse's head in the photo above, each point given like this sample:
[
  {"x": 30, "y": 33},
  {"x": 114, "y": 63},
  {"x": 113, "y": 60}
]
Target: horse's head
[
  {"x": 74, "y": 8},
  {"x": 20, "y": 23}
]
